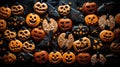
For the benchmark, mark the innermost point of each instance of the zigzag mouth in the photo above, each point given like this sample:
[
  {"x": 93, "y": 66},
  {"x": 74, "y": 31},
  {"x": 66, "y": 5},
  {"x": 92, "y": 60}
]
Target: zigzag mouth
[
  {"x": 3, "y": 14},
  {"x": 19, "y": 11},
  {"x": 81, "y": 48}
]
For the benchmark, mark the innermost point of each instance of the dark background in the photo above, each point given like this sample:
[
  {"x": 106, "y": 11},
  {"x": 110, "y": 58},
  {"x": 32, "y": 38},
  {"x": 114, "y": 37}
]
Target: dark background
[{"x": 75, "y": 3}]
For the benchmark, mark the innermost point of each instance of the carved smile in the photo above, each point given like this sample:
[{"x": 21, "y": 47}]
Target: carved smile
[
  {"x": 91, "y": 10},
  {"x": 68, "y": 60},
  {"x": 107, "y": 36},
  {"x": 33, "y": 22},
  {"x": 37, "y": 37},
  {"x": 1, "y": 27},
  {"x": 3, "y": 14},
  {"x": 18, "y": 11},
  {"x": 16, "y": 47},
  {"x": 64, "y": 26},
  {"x": 27, "y": 49},
  {"x": 82, "y": 48},
  {"x": 40, "y": 9},
  {"x": 54, "y": 59}
]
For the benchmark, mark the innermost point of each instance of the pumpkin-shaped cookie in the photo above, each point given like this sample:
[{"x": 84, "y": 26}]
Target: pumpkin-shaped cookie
[
  {"x": 82, "y": 44},
  {"x": 55, "y": 57},
  {"x": 83, "y": 58},
  {"x": 91, "y": 19},
  {"x": 89, "y": 7},
  {"x": 115, "y": 47},
  {"x": 106, "y": 35},
  {"x": 15, "y": 45},
  {"x": 37, "y": 34},
  {"x": 3, "y": 25},
  {"x": 40, "y": 7},
  {"x": 5, "y": 12},
  {"x": 17, "y": 9},
  {"x": 64, "y": 9},
  {"x": 69, "y": 57},
  {"x": 23, "y": 34},
  {"x": 32, "y": 20},
  {"x": 10, "y": 34},
  {"x": 117, "y": 18},
  {"x": 65, "y": 24},
  {"x": 117, "y": 33},
  {"x": 41, "y": 57},
  {"x": 28, "y": 46},
  {"x": 9, "y": 58}
]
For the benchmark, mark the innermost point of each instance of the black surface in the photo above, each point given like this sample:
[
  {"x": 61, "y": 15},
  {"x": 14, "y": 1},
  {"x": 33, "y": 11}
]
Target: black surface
[{"x": 75, "y": 3}]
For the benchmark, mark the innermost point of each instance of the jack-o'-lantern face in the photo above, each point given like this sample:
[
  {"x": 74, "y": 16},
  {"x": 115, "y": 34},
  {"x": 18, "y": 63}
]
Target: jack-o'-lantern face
[
  {"x": 16, "y": 21},
  {"x": 17, "y": 9},
  {"x": 55, "y": 57},
  {"x": 80, "y": 30},
  {"x": 41, "y": 57},
  {"x": 98, "y": 58},
  {"x": 64, "y": 9},
  {"x": 50, "y": 24},
  {"x": 9, "y": 58},
  {"x": 106, "y": 20},
  {"x": 65, "y": 40},
  {"x": 3, "y": 25},
  {"x": 15, "y": 45},
  {"x": 65, "y": 24},
  {"x": 106, "y": 35},
  {"x": 89, "y": 7},
  {"x": 5, "y": 12},
  {"x": 32, "y": 20},
  {"x": 82, "y": 44},
  {"x": 83, "y": 58},
  {"x": 69, "y": 57},
  {"x": 37, "y": 34},
  {"x": 117, "y": 33},
  {"x": 40, "y": 7},
  {"x": 28, "y": 46},
  {"x": 115, "y": 47},
  {"x": 117, "y": 18},
  {"x": 91, "y": 19},
  {"x": 9, "y": 34},
  {"x": 24, "y": 34}
]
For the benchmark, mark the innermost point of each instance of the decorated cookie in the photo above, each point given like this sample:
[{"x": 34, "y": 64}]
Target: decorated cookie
[
  {"x": 82, "y": 44},
  {"x": 49, "y": 24},
  {"x": 65, "y": 40}
]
